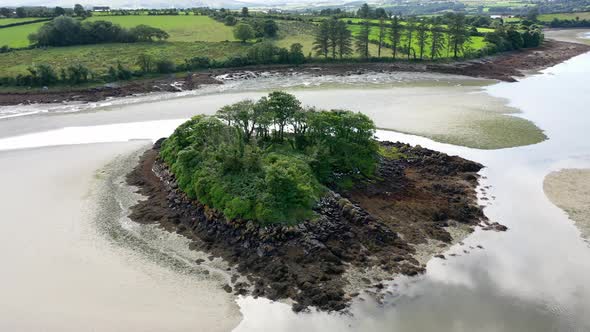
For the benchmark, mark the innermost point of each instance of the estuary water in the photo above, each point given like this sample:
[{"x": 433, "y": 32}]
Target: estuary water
[{"x": 73, "y": 261}]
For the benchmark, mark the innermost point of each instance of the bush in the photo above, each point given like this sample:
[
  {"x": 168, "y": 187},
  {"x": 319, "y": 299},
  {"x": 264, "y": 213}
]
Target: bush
[
  {"x": 197, "y": 63},
  {"x": 42, "y": 75},
  {"x": 243, "y": 32},
  {"x": 230, "y": 20},
  {"x": 165, "y": 66},
  {"x": 77, "y": 74}
]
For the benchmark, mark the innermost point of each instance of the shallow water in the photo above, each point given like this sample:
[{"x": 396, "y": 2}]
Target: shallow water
[
  {"x": 532, "y": 278},
  {"x": 65, "y": 270},
  {"x": 450, "y": 109}
]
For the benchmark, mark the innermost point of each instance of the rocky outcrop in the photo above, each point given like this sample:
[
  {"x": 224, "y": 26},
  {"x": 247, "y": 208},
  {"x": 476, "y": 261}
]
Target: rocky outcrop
[{"x": 307, "y": 262}]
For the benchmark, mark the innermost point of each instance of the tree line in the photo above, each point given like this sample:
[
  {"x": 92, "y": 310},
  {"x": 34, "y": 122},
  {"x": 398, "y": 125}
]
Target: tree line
[
  {"x": 259, "y": 54},
  {"x": 575, "y": 23},
  {"x": 22, "y": 12},
  {"x": 413, "y": 38},
  {"x": 66, "y": 31}
]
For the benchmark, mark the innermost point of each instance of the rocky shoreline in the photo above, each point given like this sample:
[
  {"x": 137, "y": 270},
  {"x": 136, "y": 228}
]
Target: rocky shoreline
[
  {"x": 503, "y": 67},
  {"x": 376, "y": 226}
]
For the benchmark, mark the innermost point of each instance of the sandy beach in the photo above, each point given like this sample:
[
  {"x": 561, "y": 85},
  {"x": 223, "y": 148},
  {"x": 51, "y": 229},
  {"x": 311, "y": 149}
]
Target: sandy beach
[{"x": 569, "y": 189}]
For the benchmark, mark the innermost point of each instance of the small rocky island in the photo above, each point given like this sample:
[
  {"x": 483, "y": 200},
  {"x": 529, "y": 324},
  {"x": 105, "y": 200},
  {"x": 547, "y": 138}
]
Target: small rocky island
[{"x": 305, "y": 203}]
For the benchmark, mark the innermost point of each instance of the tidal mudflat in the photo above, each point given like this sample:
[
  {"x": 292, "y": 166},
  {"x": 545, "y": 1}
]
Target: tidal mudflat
[
  {"x": 448, "y": 109},
  {"x": 569, "y": 189},
  {"x": 63, "y": 269}
]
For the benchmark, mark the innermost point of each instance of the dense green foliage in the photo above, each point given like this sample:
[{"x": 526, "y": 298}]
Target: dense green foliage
[
  {"x": 508, "y": 39},
  {"x": 270, "y": 160},
  {"x": 65, "y": 31},
  {"x": 575, "y": 23}
]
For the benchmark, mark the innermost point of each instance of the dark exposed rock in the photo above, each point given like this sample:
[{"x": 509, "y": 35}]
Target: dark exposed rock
[{"x": 414, "y": 197}]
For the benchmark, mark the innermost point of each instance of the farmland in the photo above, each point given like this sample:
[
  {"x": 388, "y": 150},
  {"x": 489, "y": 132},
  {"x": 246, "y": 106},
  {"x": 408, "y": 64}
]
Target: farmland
[
  {"x": 182, "y": 28},
  {"x": 100, "y": 57},
  {"x": 17, "y": 36},
  {"x": 565, "y": 16},
  {"x": 190, "y": 36}
]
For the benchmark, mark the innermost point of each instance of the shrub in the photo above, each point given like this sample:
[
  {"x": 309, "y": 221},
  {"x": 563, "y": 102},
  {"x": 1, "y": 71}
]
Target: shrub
[
  {"x": 165, "y": 66},
  {"x": 243, "y": 32},
  {"x": 42, "y": 74},
  {"x": 197, "y": 63},
  {"x": 230, "y": 20}
]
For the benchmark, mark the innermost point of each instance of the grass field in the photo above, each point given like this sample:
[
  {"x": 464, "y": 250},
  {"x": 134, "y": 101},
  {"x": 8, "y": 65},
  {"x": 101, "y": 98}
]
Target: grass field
[
  {"x": 16, "y": 37},
  {"x": 291, "y": 32},
  {"x": 185, "y": 28},
  {"x": 99, "y": 57},
  {"x": 564, "y": 16},
  {"x": 190, "y": 36}
]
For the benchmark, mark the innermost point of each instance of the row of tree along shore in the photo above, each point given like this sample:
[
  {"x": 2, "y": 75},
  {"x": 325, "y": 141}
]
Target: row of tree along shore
[{"x": 415, "y": 38}]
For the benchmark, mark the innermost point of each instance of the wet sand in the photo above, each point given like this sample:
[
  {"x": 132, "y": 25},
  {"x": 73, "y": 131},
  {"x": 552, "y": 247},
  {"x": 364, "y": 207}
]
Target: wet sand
[
  {"x": 60, "y": 274},
  {"x": 580, "y": 36},
  {"x": 449, "y": 109},
  {"x": 569, "y": 189}
]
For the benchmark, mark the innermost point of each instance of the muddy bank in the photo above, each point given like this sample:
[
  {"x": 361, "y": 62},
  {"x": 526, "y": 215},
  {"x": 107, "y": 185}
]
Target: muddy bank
[
  {"x": 569, "y": 189},
  {"x": 114, "y": 90},
  {"x": 374, "y": 227},
  {"x": 502, "y": 67}
]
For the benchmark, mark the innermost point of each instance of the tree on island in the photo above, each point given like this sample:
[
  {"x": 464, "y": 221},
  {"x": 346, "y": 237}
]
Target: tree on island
[{"x": 245, "y": 163}]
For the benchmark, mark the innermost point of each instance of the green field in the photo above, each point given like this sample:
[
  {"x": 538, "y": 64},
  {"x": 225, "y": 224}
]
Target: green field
[
  {"x": 16, "y": 37},
  {"x": 99, "y": 57},
  {"x": 565, "y": 16},
  {"x": 291, "y": 32},
  {"x": 186, "y": 28}
]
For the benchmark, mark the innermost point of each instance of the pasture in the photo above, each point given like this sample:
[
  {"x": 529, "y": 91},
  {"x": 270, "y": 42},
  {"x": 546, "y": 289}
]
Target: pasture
[
  {"x": 564, "y": 16},
  {"x": 100, "y": 57},
  {"x": 17, "y": 36},
  {"x": 181, "y": 28}
]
